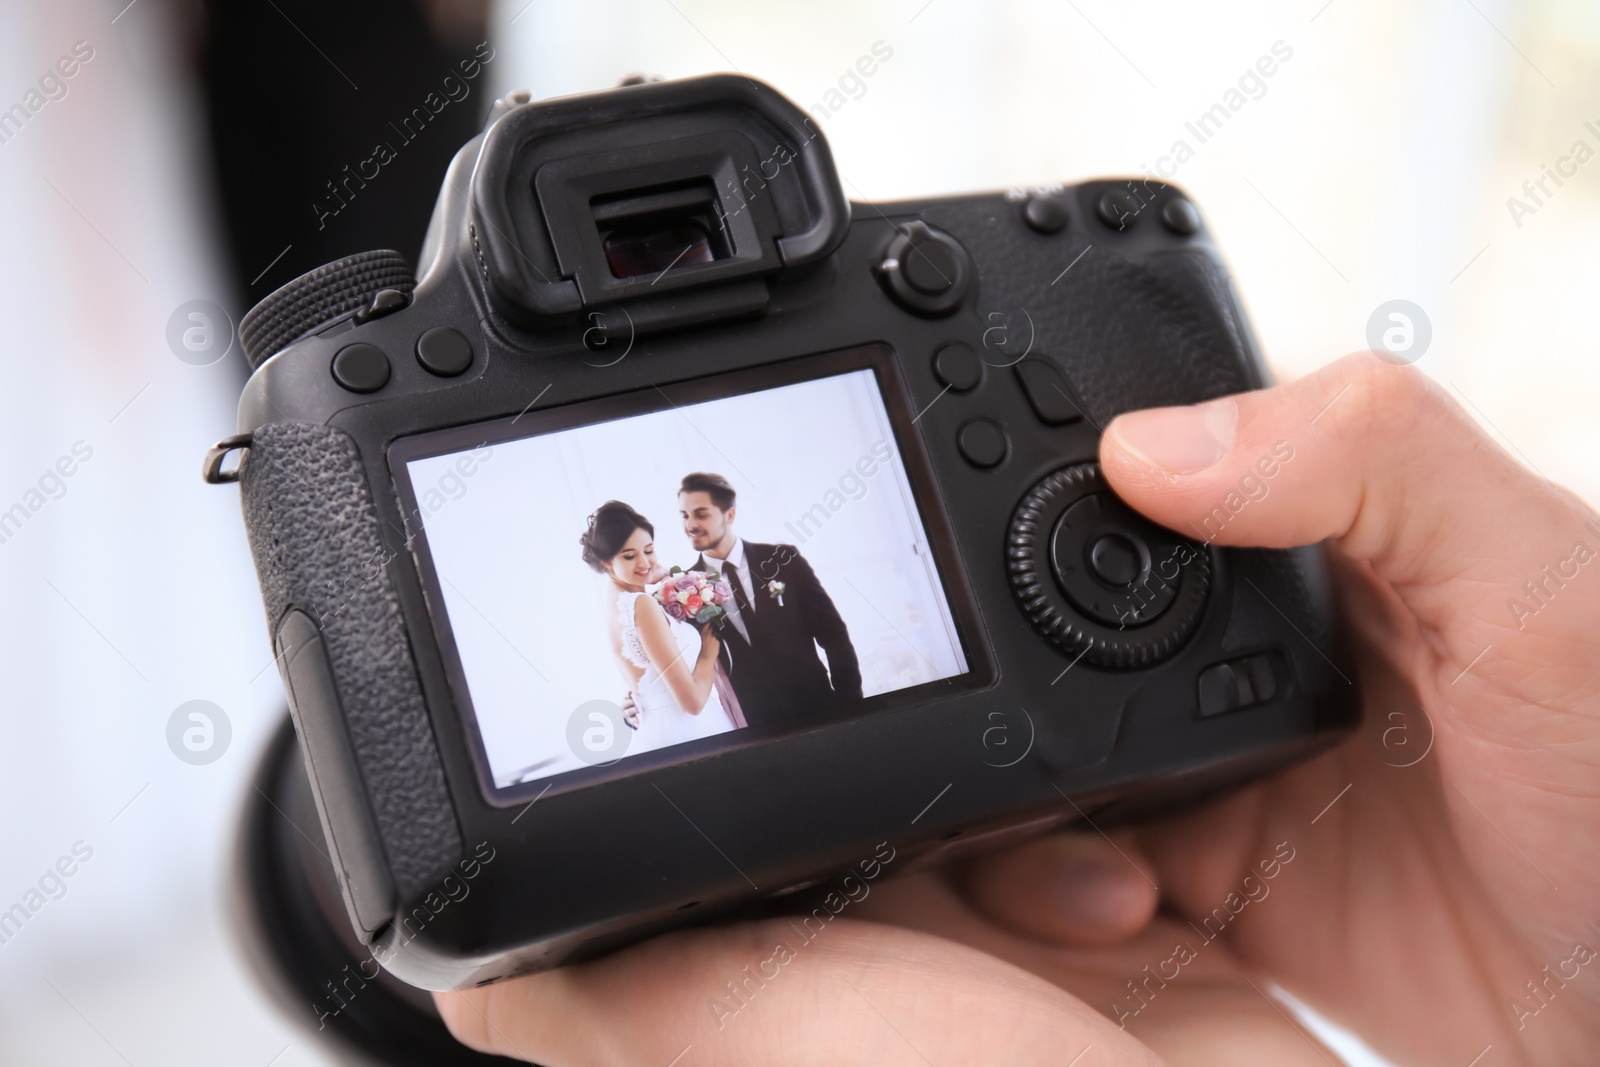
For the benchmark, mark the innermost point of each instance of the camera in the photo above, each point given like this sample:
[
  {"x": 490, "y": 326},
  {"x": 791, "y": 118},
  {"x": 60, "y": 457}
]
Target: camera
[{"x": 679, "y": 537}]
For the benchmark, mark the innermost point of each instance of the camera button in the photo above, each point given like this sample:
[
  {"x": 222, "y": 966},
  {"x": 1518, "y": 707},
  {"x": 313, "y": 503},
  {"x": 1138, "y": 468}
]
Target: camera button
[
  {"x": 1237, "y": 684},
  {"x": 1048, "y": 393},
  {"x": 1116, "y": 560},
  {"x": 982, "y": 443},
  {"x": 930, "y": 266},
  {"x": 925, "y": 270},
  {"x": 1180, "y": 217},
  {"x": 444, "y": 352},
  {"x": 1101, "y": 554},
  {"x": 361, "y": 368},
  {"x": 1045, "y": 214},
  {"x": 1118, "y": 209},
  {"x": 958, "y": 366}
]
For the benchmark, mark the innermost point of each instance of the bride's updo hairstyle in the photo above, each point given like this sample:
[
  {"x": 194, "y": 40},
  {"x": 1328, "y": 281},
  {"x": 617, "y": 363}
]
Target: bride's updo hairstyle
[{"x": 609, "y": 529}]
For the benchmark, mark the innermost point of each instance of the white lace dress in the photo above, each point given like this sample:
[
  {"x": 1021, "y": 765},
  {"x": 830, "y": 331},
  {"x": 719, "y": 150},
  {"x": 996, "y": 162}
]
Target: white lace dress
[{"x": 661, "y": 721}]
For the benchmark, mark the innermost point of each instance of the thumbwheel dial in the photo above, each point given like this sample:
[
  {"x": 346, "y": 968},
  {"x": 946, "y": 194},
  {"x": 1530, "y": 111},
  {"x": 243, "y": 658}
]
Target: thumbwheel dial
[
  {"x": 318, "y": 297},
  {"x": 1098, "y": 579}
]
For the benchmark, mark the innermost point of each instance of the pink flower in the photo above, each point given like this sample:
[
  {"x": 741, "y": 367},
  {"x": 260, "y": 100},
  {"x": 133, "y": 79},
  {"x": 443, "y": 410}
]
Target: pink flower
[
  {"x": 686, "y": 583},
  {"x": 693, "y": 604},
  {"x": 675, "y": 609},
  {"x": 724, "y": 591}
]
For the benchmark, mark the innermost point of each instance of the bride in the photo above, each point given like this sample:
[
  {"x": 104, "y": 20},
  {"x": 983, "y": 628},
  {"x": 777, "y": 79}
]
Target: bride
[{"x": 669, "y": 666}]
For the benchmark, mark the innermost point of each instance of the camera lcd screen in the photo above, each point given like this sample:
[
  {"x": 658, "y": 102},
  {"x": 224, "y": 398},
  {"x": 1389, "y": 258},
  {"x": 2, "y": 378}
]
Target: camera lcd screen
[{"x": 577, "y": 558}]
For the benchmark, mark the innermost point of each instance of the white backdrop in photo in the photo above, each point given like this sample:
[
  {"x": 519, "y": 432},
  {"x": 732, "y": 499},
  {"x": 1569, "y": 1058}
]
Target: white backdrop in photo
[{"x": 528, "y": 614}]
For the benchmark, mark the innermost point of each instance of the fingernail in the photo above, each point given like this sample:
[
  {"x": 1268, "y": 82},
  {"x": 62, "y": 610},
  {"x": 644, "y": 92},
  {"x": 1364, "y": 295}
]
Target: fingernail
[
  {"x": 1179, "y": 440},
  {"x": 1092, "y": 896}
]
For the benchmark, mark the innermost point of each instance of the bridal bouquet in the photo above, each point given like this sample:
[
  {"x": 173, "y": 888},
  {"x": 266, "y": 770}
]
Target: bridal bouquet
[{"x": 694, "y": 596}]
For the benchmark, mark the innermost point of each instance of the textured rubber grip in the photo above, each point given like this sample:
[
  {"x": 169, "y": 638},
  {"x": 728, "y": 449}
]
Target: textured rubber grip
[
  {"x": 320, "y": 296},
  {"x": 315, "y": 536}
]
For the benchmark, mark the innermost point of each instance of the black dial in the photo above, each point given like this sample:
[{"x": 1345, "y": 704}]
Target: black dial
[
  {"x": 1097, "y": 578},
  {"x": 320, "y": 296}
]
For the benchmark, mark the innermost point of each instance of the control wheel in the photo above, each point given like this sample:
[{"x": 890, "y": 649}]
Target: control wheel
[
  {"x": 322, "y": 295},
  {"x": 1098, "y": 579}
]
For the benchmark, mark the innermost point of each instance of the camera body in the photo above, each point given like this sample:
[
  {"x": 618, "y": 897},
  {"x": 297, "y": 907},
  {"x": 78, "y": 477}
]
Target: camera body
[{"x": 908, "y": 398}]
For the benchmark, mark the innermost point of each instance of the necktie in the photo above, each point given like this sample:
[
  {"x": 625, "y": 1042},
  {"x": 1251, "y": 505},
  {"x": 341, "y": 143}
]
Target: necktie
[
  {"x": 742, "y": 623},
  {"x": 738, "y": 587}
]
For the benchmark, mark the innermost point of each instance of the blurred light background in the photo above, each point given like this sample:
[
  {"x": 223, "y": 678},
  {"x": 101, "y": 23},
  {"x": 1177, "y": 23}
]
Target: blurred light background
[{"x": 1376, "y": 164}]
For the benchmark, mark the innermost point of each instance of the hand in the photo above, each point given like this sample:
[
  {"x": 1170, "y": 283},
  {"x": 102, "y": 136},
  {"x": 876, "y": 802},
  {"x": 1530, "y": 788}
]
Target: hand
[
  {"x": 630, "y": 710},
  {"x": 1429, "y": 884},
  {"x": 1415, "y": 901}
]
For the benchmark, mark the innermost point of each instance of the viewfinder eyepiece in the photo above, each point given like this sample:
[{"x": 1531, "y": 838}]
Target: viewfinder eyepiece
[
  {"x": 652, "y": 232},
  {"x": 671, "y": 203}
]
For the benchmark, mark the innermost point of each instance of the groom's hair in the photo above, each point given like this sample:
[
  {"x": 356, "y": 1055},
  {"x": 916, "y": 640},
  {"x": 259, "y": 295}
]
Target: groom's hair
[{"x": 722, "y": 494}]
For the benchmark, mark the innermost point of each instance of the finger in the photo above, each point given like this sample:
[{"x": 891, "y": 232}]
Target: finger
[
  {"x": 1075, "y": 889},
  {"x": 856, "y": 992},
  {"x": 1379, "y": 459},
  {"x": 1161, "y": 985}
]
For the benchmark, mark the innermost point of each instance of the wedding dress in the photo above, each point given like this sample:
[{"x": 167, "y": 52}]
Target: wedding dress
[{"x": 661, "y": 721}]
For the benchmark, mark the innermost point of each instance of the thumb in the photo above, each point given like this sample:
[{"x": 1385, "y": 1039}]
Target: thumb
[
  {"x": 1496, "y": 568},
  {"x": 1379, "y": 459}
]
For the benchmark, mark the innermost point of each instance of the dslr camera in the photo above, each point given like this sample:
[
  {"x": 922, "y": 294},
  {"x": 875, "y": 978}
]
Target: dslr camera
[{"x": 680, "y": 538}]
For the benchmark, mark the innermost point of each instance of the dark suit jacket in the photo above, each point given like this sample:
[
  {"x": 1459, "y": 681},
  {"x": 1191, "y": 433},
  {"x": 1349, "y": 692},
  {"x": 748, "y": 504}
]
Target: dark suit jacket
[{"x": 777, "y": 675}]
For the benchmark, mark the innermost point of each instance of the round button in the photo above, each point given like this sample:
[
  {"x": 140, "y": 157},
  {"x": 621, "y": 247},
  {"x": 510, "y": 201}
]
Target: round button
[
  {"x": 930, "y": 267},
  {"x": 1118, "y": 209},
  {"x": 1045, "y": 214},
  {"x": 982, "y": 443},
  {"x": 1114, "y": 559},
  {"x": 361, "y": 368},
  {"x": 958, "y": 366},
  {"x": 1125, "y": 591},
  {"x": 444, "y": 351},
  {"x": 1180, "y": 217}
]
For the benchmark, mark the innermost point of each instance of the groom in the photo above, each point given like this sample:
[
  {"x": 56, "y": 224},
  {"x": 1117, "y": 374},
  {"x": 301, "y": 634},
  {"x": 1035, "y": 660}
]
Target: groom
[{"x": 779, "y": 616}]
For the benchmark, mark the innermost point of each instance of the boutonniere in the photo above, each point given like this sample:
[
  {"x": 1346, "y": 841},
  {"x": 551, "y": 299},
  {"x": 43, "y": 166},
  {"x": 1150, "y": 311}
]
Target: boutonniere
[{"x": 775, "y": 591}]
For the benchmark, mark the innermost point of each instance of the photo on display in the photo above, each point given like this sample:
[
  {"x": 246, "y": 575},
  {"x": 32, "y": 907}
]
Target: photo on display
[{"x": 673, "y": 577}]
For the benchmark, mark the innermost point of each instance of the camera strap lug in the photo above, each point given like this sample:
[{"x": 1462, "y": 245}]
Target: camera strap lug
[{"x": 212, "y": 470}]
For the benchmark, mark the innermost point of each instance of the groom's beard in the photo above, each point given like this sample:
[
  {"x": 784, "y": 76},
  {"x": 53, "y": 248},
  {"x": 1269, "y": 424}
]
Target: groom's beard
[{"x": 716, "y": 546}]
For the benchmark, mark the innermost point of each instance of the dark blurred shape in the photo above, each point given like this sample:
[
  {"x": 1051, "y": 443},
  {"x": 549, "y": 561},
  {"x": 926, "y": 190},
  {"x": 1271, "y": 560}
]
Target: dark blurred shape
[
  {"x": 332, "y": 123},
  {"x": 293, "y": 923}
]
